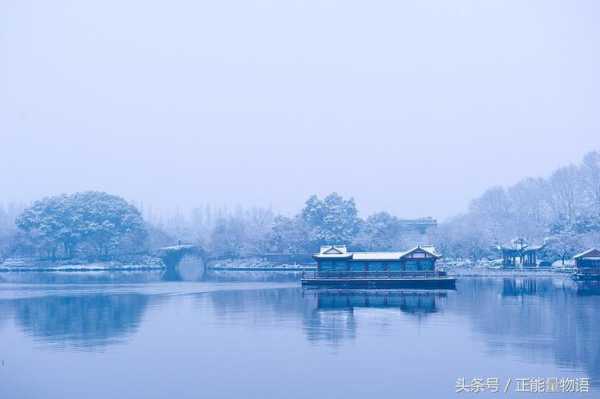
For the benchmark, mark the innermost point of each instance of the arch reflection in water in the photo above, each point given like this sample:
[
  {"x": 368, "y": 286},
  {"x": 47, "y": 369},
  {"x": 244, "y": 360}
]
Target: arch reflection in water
[
  {"x": 83, "y": 321},
  {"x": 187, "y": 267}
]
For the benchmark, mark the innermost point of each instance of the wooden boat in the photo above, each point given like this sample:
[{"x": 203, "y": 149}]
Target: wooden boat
[
  {"x": 587, "y": 265},
  {"x": 414, "y": 268}
]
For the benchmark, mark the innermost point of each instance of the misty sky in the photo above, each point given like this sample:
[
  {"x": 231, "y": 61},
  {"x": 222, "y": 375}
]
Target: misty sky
[{"x": 414, "y": 107}]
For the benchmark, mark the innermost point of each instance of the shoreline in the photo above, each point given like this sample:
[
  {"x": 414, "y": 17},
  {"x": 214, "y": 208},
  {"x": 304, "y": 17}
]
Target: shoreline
[
  {"x": 63, "y": 269},
  {"x": 292, "y": 269},
  {"x": 143, "y": 263}
]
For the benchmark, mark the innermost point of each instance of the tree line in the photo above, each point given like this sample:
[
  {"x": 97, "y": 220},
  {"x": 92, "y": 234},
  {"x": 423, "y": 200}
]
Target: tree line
[
  {"x": 91, "y": 224},
  {"x": 331, "y": 219},
  {"x": 97, "y": 225},
  {"x": 561, "y": 211}
]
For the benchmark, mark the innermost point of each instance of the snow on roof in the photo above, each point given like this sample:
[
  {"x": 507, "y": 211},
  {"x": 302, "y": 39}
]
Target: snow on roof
[
  {"x": 535, "y": 247},
  {"x": 333, "y": 250},
  {"x": 590, "y": 253},
  {"x": 377, "y": 255},
  {"x": 340, "y": 251},
  {"x": 430, "y": 249}
]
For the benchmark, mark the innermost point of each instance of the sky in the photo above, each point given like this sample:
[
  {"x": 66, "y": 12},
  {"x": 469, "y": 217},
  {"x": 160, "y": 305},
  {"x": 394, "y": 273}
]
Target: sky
[{"x": 414, "y": 107}]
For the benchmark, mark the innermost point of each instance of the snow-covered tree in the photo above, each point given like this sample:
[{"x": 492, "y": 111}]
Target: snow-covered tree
[
  {"x": 591, "y": 178},
  {"x": 102, "y": 221},
  {"x": 289, "y": 235},
  {"x": 529, "y": 209},
  {"x": 493, "y": 211},
  {"x": 332, "y": 220},
  {"x": 565, "y": 192},
  {"x": 565, "y": 208},
  {"x": 379, "y": 232},
  {"x": 228, "y": 237}
]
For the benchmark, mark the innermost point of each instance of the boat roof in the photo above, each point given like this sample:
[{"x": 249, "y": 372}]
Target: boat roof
[
  {"x": 331, "y": 252},
  {"x": 590, "y": 253},
  {"x": 377, "y": 255}
]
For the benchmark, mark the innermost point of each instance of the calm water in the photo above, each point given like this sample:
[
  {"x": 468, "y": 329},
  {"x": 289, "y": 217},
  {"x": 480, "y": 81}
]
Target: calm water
[{"x": 252, "y": 336}]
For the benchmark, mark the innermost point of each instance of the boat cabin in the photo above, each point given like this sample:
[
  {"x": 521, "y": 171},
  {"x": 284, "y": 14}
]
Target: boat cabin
[
  {"x": 588, "y": 263},
  {"x": 336, "y": 258}
]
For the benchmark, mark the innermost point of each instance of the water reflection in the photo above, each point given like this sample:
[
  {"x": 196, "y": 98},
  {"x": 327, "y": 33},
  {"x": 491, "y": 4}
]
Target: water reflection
[
  {"x": 518, "y": 287},
  {"x": 412, "y": 302},
  {"x": 80, "y": 321},
  {"x": 585, "y": 288},
  {"x": 264, "y": 306},
  {"x": 192, "y": 273},
  {"x": 58, "y": 278},
  {"x": 333, "y": 317},
  {"x": 539, "y": 320},
  {"x": 252, "y": 276},
  {"x": 542, "y": 321}
]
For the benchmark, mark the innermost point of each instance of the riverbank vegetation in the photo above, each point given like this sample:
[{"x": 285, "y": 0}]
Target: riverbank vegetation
[
  {"x": 561, "y": 211},
  {"x": 331, "y": 219},
  {"x": 92, "y": 224}
]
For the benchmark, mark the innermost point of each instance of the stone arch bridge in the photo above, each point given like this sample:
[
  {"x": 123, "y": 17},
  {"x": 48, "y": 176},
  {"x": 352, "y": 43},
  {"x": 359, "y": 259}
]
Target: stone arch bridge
[{"x": 183, "y": 262}]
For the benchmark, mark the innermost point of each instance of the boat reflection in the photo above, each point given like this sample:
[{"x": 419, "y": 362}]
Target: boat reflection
[
  {"x": 336, "y": 313},
  {"x": 412, "y": 302},
  {"x": 587, "y": 288}
]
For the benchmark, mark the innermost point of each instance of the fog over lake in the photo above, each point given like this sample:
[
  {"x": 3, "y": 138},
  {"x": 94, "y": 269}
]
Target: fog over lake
[{"x": 263, "y": 103}]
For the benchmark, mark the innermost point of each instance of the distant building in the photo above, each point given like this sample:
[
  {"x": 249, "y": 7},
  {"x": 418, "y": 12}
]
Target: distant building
[
  {"x": 588, "y": 264},
  {"x": 420, "y": 225}
]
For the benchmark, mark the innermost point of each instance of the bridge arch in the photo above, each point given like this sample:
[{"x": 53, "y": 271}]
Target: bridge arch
[{"x": 184, "y": 262}]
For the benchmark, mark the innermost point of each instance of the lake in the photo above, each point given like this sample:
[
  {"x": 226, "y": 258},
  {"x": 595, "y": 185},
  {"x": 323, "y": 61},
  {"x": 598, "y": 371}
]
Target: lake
[{"x": 253, "y": 335}]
